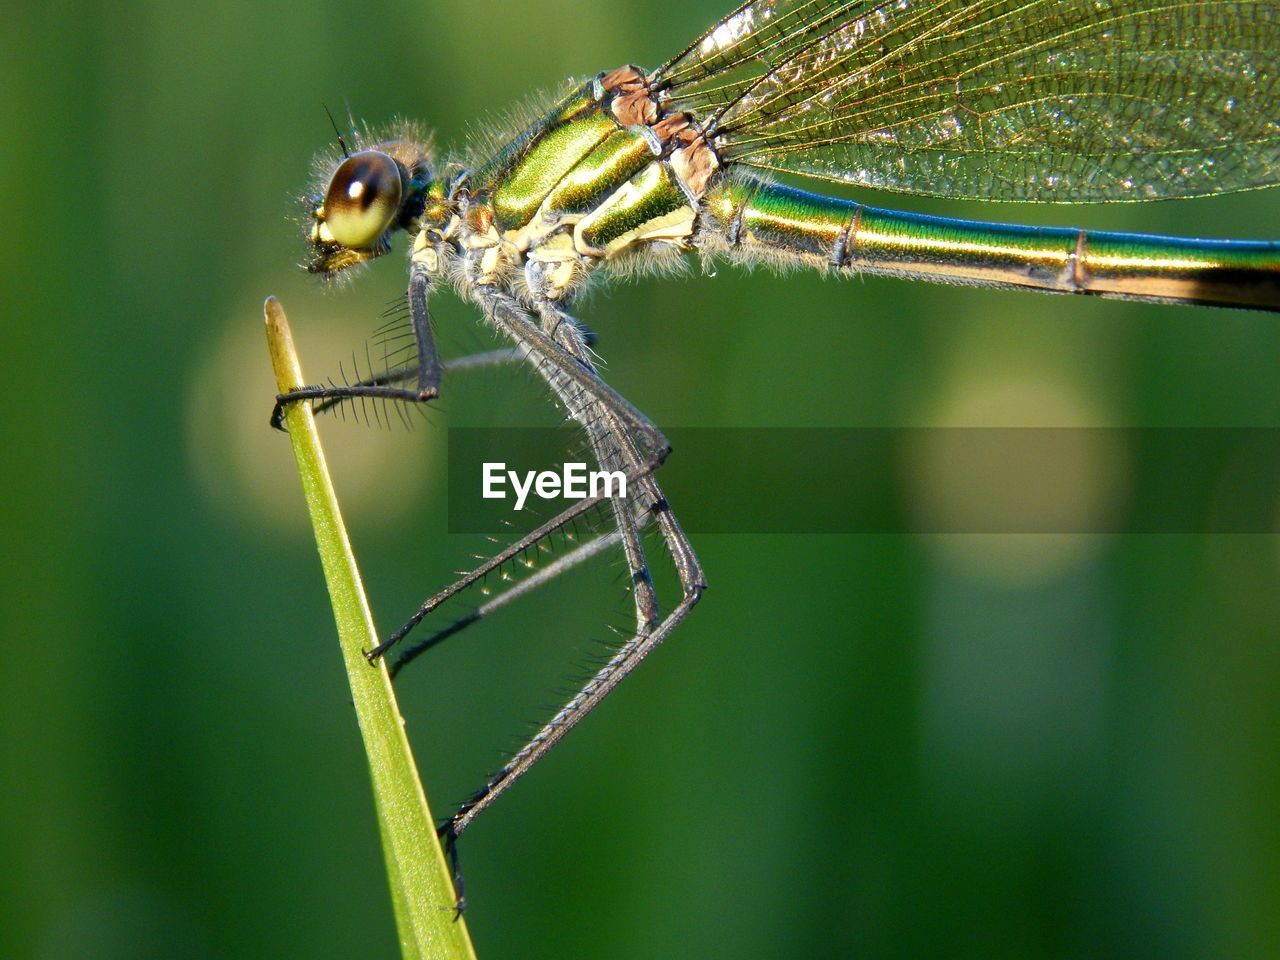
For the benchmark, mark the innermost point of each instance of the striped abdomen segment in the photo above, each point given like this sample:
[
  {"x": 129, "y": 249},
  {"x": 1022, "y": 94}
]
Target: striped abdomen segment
[{"x": 766, "y": 221}]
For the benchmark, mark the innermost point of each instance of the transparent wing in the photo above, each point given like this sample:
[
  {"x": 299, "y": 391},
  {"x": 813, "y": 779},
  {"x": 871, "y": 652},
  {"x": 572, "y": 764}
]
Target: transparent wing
[{"x": 1061, "y": 100}]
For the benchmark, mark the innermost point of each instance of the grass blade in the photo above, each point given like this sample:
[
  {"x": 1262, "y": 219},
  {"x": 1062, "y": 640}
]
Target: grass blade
[{"x": 421, "y": 889}]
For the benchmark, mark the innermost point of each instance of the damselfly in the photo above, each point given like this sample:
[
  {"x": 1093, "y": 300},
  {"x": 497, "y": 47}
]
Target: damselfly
[{"x": 1053, "y": 100}]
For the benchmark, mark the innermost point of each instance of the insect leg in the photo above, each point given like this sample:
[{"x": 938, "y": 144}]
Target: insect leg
[
  {"x": 510, "y": 552},
  {"x": 612, "y": 450},
  {"x": 561, "y": 564},
  {"x": 600, "y": 427},
  {"x": 428, "y": 366},
  {"x": 510, "y": 317},
  {"x": 627, "y": 657},
  {"x": 410, "y": 372},
  {"x": 568, "y": 336}
]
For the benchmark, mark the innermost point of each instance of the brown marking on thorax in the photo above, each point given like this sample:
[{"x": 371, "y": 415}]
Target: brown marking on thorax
[
  {"x": 632, "y": 102},
  {"x": 686, "y": 149}
]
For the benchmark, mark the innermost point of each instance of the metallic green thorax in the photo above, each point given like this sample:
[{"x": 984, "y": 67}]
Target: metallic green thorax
[
  {"x": 580, "y": 184},
  {"x": 553, "y": 156}
]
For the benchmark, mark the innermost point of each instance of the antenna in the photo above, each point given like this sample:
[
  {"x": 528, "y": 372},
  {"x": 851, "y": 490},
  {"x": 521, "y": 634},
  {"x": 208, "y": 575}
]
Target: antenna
[{"x": 338, "y": 133}]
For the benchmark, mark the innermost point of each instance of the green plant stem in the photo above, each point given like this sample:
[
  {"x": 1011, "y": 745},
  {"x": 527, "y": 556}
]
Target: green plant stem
[{"x": 421, "y": 889}]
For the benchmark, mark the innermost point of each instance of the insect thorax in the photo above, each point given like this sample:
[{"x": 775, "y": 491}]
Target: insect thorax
[{"x": 603, "y": 176}]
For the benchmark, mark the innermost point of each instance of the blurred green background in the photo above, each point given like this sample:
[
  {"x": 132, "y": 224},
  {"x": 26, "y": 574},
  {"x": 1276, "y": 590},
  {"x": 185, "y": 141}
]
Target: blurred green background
[{"x": 871, "y": 745}]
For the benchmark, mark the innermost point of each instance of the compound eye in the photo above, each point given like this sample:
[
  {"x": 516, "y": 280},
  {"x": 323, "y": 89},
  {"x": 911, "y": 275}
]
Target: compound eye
[{"x": 363, "y": 198}]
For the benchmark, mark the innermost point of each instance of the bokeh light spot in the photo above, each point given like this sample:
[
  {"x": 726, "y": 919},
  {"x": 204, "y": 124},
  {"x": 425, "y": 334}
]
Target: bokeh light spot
[
  {"x": 247, "y": 468},
  {"x": 1048, "y": 505}
]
